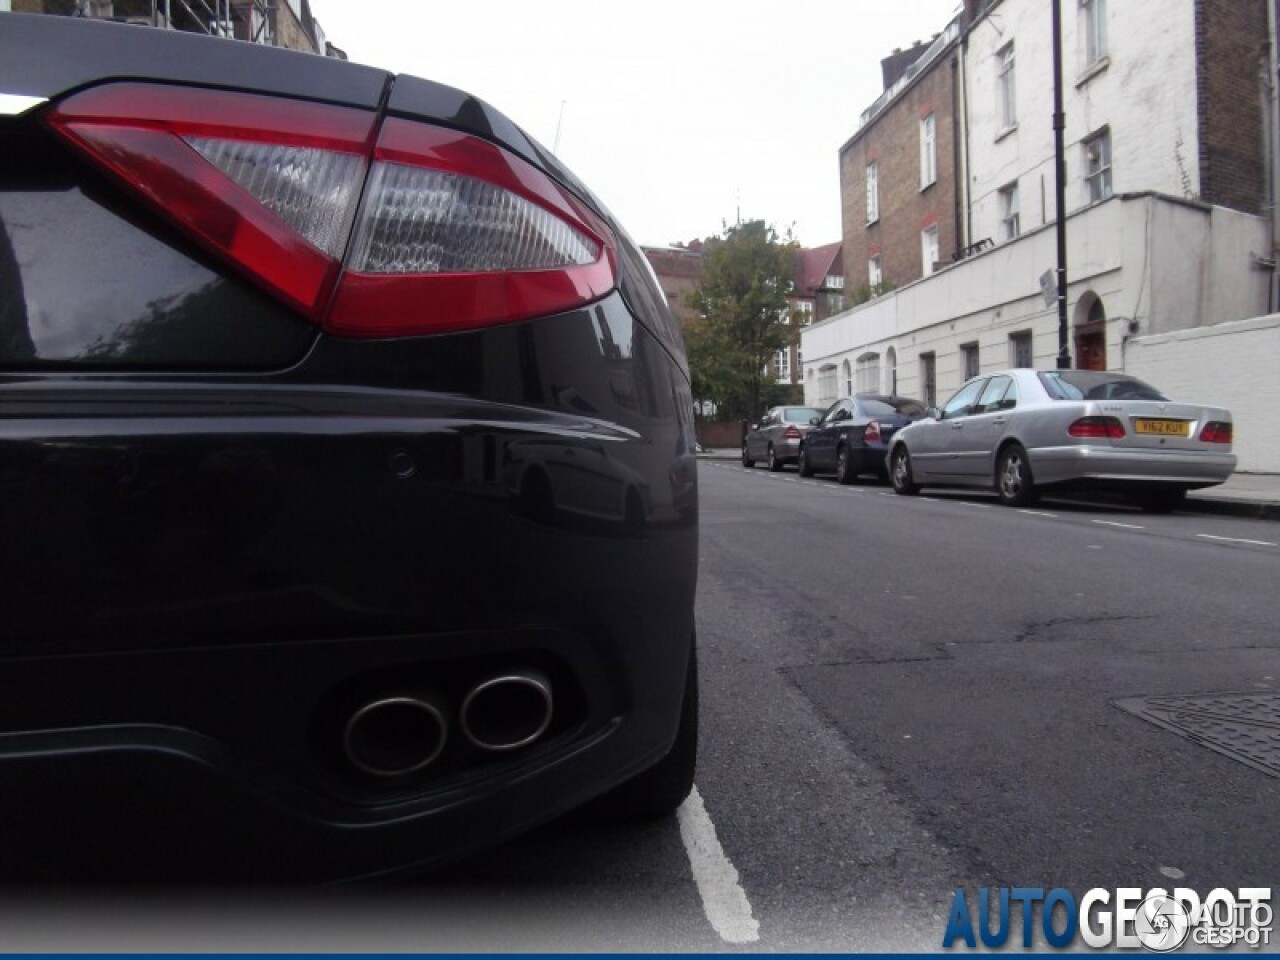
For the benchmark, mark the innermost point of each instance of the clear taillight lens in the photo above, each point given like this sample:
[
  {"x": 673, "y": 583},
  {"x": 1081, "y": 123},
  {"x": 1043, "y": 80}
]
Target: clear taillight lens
[
  {"x": 450, "y": 232},
  {"x": 431, "y": 221},
  {"x": 313, "y": 191}
]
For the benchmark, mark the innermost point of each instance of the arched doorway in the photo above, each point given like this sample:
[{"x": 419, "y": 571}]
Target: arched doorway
[{"x": 1091, "y": 333}]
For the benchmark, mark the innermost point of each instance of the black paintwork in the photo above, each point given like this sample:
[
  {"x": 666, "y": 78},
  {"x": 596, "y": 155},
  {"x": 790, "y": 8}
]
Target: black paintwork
[
  {"x": 208, "y": 561},
  {"x": 844, "y": 426}
]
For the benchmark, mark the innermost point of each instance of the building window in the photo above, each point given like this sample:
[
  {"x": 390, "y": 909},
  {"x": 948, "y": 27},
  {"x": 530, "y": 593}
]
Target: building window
[
  {"x": 867, "y": 375},
  {"x": 873, "y": 192},
  {"x": 874, "y": 276},
  {"x": 969, "y": 360},
  {"x": 1095, "y": 30},
  {"x": 846, "y": 377},
  {"x": 1007, "y": 87},
  {"x": 1097, "y": 166},
  {"x": 827, "y": 385},
  {"x": 929, "y": 249},
  {"x": 803, "y": 309},
  {"x": 1009, "y": 221},
  {"x": 1020, "y": 349},
  {"x": 929, "y": 378},
  {"x": 928, "y": 152},
  {"x": 782, "y": 365},
  {"x": 834, "y": 281}
]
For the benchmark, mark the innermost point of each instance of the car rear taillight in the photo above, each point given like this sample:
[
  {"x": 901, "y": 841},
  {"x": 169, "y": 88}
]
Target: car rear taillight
[
  {"x": 1216, "y": 431},
  {"x": 369, "y": 230},
  {"x": 792, "y": 433},
  {"x": 872, "y": 434},
  {"x": 1097, "y": 428}
]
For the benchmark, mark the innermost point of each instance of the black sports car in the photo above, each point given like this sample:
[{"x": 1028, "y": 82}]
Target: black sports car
[{"x": 347, "y": 519}]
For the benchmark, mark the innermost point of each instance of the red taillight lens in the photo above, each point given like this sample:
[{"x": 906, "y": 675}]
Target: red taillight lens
[
  {"x": 1097, "y": 428},
  {"x": 872, "y": 434},
  {"x": 1216, "y": 431},
  {"x": 792, "y": 433},
  {"x": 440, "y": 231}
]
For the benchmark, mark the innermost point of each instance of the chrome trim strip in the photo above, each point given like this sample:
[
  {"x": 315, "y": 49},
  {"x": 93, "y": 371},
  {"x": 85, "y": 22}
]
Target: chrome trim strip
[{"x": 13, "y": 104}]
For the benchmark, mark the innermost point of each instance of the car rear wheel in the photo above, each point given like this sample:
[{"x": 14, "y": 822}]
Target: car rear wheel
[
  {"x": 659, "y": 790},
  {"x": 774, "y": 463},
  {"x": 1162, "y": 501},
  {"x": 1014, "y": 482},
  {"x": 802, "y": 463},
  {"x": 845, "y": 473},
  {"x": 746, "y": 456},
  {"x": 900, "y": 472}
]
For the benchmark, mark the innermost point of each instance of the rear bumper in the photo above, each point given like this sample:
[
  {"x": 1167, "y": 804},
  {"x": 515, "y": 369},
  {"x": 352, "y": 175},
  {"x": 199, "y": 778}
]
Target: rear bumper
[{"x": 1189, "y": 469}]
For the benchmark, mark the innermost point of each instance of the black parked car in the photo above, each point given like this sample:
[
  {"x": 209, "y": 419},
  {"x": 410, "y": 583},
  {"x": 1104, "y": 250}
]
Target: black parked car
[
  {"x": 852, "y": 437},
  {"x": 299, "y": 573}
]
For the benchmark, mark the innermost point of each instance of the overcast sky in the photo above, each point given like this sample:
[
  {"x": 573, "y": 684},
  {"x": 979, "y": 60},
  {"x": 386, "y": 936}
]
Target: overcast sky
[{"x": 676, "y": 113}]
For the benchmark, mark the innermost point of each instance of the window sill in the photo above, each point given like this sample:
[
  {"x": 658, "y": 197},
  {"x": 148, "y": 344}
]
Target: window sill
[
  {"x": 1012, "y": 128},
  {"x": 926, "y": 186},
  {"x": 1099, "y": 66},
  {"x": 872, "y": 223}
]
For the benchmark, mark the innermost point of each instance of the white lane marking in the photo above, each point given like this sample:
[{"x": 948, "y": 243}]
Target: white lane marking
[
  {"x": 1256, "y": 543},
  {"x": 1039, "y": 513},
  {"x": 930, "y": 499},
  {"x": 1114, "y": 523},
  {"x": 970, "y": 503},
  {"x": 723, "y": 899}
]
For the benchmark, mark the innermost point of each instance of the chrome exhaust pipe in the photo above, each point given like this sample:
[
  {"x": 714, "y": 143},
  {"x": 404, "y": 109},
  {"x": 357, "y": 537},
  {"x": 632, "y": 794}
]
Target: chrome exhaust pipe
[
  {"x": 394, "y": 736},
  {"x": 508, "y": 711}
]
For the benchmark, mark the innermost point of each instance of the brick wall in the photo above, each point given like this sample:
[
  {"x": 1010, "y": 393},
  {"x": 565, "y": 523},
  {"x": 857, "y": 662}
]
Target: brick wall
[
  {"x": 892, "y": 140},
  {"x": 1231, "y": 47}
]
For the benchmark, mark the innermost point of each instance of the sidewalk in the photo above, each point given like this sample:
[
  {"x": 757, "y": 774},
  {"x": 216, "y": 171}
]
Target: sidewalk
[{"x": 1243, "y": 495}]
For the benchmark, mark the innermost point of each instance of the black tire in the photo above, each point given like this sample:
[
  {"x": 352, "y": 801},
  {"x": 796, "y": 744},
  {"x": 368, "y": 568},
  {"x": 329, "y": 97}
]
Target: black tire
[
  {"x": 1162, "y": 501},
  {"x": 746, "y": 457},
  {"x": 774, "y": 463},
  {"x": 1014, "y": 481},
  {"x": 658, "y": 791},
  {"x": 845, "y": 473},
  {"x": 900, "y": 474},
  {"x": 802, "y": 462}
]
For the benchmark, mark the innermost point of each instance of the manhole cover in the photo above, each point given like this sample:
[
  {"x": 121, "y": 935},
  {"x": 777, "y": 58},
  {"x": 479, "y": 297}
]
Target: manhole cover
[{"x": 1242, "y": 726}]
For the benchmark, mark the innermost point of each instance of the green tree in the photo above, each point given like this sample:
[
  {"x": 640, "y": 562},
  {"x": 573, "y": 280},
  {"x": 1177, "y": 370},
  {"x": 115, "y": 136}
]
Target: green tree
[{"x": 743, "y": 317}]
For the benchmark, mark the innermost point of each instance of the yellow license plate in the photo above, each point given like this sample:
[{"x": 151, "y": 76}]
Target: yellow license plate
[{"x": 1164, "y": 428}]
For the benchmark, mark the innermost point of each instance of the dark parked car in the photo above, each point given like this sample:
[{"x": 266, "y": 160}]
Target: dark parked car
[
  {"x": 286, "y": 346},
  {"x": 1024, "y": 432},
  {"x": 776, "y": 438},
  {"x": 852, "y": 437}
]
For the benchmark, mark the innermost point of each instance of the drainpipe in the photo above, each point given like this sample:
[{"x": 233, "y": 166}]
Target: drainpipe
[
  {"x": 964, "y": 129},
  {"x": 1273, "y": 153}
]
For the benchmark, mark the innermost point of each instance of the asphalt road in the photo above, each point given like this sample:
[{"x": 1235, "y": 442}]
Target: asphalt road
[{"x": 900, "y": 696}]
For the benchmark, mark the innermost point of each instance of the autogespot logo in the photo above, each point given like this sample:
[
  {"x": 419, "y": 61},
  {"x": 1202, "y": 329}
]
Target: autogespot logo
[{"x": 1127, "y": 918}]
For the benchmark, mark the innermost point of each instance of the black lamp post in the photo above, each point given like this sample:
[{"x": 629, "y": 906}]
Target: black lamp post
[{"x": 1060, "y": 186}]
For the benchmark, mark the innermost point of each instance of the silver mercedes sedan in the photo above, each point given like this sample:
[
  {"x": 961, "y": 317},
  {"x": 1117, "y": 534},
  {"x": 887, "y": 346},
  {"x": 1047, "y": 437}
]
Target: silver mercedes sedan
[{"x": 1026, "y": 431}]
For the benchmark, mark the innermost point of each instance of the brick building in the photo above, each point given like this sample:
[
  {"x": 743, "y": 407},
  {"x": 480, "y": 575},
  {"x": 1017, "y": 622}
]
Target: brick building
[
  {"x": 900, "y": 208},
  {"x": 679, "y": 271},
  {"x": 286, "y": 23}
]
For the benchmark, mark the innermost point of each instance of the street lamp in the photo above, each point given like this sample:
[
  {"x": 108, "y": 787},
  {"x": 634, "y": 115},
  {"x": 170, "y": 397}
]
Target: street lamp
[{"x": 1060, "y": 186}]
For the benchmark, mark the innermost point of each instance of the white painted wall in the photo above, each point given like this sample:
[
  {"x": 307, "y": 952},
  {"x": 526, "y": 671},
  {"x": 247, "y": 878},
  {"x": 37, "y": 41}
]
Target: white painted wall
[
  {"x": 1151, "y": 260},
  {"x": 1146, "y": 95},
  {"x": 1231, "y": 365}
]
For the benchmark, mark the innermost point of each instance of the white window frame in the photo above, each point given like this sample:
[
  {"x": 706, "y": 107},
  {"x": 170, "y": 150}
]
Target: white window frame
[
  {"x": 1010, "y": 214},
  {"x": 1097, "y": 166},
  {"x": 928, "y": 249},
  {"x": 873, "y": 192},
  {"x": 928, "y": 151},
  {"x": 866, "y": 373},
  {"x": 875, "y": 275},
  {"x": 1095, "y": 31},
  {"x": 782, "y": 365},
  {"x": 1006, "y": 83}
]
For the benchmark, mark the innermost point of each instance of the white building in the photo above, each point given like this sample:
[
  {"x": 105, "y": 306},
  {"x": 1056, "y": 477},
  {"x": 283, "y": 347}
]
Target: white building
[{"x": 1166, "y": 135}]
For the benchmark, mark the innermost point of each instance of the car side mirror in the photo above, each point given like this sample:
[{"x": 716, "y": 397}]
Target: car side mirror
[
  {"x": 814, "y": 421},
  {"x": 933, "y": 413}
]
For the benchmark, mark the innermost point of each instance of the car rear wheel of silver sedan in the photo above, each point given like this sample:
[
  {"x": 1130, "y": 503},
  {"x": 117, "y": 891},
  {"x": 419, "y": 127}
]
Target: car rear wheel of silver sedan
[
  {"x": 1014, "y": 482},
  {"x": 900, "y": 472},
  {"x": 774, "y": 463},
  {"x": 746, "y": 456}
]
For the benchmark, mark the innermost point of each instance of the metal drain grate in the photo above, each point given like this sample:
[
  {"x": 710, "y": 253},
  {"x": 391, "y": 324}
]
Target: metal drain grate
[{"x": 1242, "y": 726}]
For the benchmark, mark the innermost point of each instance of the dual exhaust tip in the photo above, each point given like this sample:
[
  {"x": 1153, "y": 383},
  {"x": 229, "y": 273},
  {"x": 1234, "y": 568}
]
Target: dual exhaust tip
[{"x": 397, "y": 736}]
